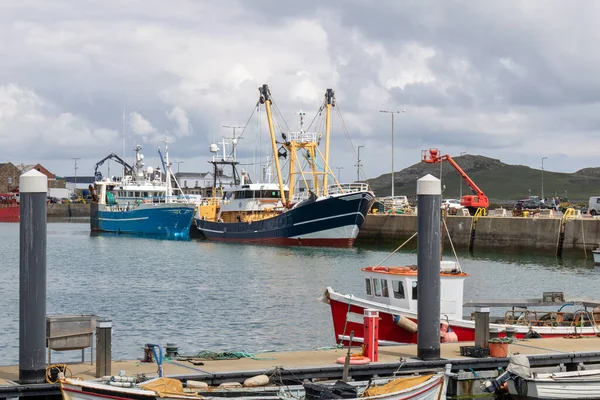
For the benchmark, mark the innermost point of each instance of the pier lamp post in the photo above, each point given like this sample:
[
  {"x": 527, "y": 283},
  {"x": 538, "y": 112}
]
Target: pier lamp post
[
  {"x": 358, "y": 164},
  {"x": 460, "y": 177},
  {"x": 392, "y": 112},
  {"x": 76, "y": 168},
  {"x": 339, "y": 174},
  {"x": 543, "y": 158},
  {"x": 177, "y": 162}
]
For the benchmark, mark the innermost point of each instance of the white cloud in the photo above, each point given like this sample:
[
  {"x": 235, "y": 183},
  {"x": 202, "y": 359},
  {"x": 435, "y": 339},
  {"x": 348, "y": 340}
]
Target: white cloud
[
  {"x": 32, "y": 127},
  {"x": 499, "y": 75},
  {"x": 182, "y": 121},
  {"x": 140, "y": 125}
]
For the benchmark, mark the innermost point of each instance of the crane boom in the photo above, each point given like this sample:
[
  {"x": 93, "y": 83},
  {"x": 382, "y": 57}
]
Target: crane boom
[
  {"x": 472, "y": 202},
  {"x": 128, "y": 168}
]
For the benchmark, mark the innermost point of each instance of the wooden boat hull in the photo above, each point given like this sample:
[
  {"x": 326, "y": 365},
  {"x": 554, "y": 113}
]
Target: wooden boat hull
[
  {"x": 561, "y": 385},
  {"x": 347, "y": 312},
  {"x": 434, "y": 388},
  {"x": 332, "y": 222},
  {"x": 596, "y": 254}
]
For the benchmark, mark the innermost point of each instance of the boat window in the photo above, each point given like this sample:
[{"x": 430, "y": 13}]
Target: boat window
[
  {"x": 368, "y": 285},
  {"x": 398, "y": 287},
  {"x": 377, "y": 287},
  {"x": 414, "y": 290},
  {"x": 384, "y": 288}
]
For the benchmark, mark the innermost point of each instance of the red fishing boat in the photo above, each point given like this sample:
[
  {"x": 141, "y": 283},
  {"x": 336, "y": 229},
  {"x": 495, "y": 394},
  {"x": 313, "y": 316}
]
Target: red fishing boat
[
  {"x": 9, "y": 207},
  {"x": 393, "y": 291}
]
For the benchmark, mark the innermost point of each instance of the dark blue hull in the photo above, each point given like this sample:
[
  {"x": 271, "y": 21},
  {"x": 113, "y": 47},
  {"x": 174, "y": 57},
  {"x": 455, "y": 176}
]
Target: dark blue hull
[
  {"x": 333, "y": 221},
  {"x": 161, "y": 220}
]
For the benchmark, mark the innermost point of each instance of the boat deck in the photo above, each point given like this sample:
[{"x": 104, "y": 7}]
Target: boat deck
[{"x": 554, "y": 348}]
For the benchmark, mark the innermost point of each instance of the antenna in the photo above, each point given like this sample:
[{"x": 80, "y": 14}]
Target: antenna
[
  {"x": 301, "y": 114},
  {"x": 234, "y": 140}
]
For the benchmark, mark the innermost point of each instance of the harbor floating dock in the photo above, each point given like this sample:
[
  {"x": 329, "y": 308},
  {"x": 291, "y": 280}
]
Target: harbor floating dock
[{"x": 321, "y": 364}]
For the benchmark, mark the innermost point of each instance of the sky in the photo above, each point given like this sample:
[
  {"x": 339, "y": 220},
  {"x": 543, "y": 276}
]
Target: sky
[{"x": 512, "y": 80}]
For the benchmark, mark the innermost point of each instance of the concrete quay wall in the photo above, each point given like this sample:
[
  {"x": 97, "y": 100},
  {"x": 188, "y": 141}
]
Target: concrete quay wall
[
  {"x": 491, "y": 233},
  {"x": 70, "y": 210}
]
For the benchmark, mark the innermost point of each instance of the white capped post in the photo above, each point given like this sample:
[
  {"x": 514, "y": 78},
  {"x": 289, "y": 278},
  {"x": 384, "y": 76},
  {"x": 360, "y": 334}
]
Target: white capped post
[
  {"x": 429, "y": 198},
  {"x": 33, "y": 188}
]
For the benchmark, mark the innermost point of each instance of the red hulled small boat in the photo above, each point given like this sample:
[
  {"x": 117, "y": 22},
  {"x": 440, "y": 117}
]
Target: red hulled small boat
[{"x": 392, "y": 291}]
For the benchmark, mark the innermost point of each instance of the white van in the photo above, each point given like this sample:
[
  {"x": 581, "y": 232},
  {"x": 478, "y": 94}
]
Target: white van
[
  {"x": 395, "y": 202},
  {"x": 594, "y": 206}
]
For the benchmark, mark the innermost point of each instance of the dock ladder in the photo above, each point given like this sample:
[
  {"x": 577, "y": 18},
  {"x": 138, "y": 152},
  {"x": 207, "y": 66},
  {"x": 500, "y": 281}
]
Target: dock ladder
[{"x": 480, "y": 212}]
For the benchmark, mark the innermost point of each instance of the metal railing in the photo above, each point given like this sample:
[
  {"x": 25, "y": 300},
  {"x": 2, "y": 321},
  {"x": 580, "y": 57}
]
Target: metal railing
[
  {"x": 303, "y": 137},
  {"x": 348, "y": 188}
]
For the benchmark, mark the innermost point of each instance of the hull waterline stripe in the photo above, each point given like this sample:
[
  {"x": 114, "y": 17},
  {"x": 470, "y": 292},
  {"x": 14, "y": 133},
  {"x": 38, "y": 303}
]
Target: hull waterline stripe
[
  {"x": 331, "y": 217},
  {"x": 123, "y": 219}
]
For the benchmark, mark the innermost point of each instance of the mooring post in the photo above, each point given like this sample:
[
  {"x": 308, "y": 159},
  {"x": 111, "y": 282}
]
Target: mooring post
[
  {"x": 429, "y": 191},
  {"x": 482, "y": 327},
  {"x": 33, "y": 187},
  {"x": 103, "y": 348}
]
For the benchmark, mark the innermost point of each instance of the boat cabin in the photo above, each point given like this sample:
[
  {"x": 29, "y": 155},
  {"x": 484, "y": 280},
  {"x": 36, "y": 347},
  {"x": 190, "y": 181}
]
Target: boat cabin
[
  {"x": 398, "y": 287},
  {"x": 252, "y": 197}
]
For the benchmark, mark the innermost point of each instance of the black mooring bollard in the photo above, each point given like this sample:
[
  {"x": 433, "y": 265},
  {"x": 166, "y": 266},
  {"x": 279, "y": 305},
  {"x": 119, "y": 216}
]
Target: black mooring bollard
[
  {"x": 429, "y": 191},
  {"x": 33, "y": 187}
]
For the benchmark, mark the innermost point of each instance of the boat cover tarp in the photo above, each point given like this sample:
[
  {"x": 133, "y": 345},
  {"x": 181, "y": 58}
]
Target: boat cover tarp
[
  {"x": 396, "y": 385},
  {"x": 165, "y": 387}
]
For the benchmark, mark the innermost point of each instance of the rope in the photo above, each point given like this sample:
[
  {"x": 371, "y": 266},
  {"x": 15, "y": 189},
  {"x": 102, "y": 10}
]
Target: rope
[
  {"x": 451, "y": 244},
  {"x": 220, "y": 356},
  {"x": 62, "y": 370},
  {"x": 399, "y": 247},
  {"x": 345, "y": 322},
  {"x": 583, "y": 238}
]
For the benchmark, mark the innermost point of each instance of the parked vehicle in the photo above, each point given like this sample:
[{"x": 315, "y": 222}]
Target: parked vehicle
[
  {"x": 531, "y": 204},
  {"x": 395, "y": 202},
  {"x": 451, "y": 203},
  {"x": 594, "y": 206}
]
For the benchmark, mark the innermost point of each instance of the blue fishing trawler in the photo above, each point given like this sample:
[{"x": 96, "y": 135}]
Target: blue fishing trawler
[{"x": 140, "y": 202}]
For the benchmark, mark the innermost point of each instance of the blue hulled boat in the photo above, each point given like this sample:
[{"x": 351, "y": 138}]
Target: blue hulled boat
[{"x": 141, "y": 202}]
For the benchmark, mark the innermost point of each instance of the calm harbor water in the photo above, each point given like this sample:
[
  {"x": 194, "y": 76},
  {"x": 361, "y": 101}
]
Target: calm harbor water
[{"x": 227, "y": 297}]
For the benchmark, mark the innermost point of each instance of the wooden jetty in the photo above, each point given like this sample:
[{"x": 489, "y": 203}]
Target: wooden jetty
[{"x": 321, "y": 364}]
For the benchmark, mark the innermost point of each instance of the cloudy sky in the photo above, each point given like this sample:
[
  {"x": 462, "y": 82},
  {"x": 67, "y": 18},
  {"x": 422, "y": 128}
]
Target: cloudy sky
[{"x": 513, "y": 80}]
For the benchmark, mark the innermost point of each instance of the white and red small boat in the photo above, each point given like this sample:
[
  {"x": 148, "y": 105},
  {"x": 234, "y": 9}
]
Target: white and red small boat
[{"x": 393, "y": 292}]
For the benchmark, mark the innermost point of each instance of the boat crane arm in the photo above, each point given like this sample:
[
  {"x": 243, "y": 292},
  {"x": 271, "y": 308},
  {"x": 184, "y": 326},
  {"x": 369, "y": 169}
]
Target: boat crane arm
[
  {"x": 113, "y": 156},
  {"x": 434, "y": 157}
]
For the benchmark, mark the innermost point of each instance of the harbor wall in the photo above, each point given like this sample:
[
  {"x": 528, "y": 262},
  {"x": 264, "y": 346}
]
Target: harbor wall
[
  {"x": 70, "y": 210},
  {"x": 491, "y": 233}
]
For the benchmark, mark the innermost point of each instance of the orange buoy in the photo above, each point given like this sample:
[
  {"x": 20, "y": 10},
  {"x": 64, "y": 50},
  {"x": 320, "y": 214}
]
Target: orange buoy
[{"x": 355, "y": 359}]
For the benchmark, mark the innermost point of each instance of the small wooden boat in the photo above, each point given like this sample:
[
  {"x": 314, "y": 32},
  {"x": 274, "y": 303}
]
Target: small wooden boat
[
  {"x": 596, "y": 254},
  {"x": 558, "y": 385},
  {"x": 416, "y": 387},
  {"x": 523, "y": 382}
]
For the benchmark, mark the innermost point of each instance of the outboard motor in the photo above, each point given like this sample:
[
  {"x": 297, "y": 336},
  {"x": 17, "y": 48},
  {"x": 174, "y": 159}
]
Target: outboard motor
[{"x": 518, "y": 367}]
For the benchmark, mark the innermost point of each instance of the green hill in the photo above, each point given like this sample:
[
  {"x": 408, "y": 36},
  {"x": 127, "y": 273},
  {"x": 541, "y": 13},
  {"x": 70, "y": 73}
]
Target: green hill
[{"x": 499, "y": 181}]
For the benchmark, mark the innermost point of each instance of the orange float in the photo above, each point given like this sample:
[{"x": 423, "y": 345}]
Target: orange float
[{"x": 355, "y": 359}]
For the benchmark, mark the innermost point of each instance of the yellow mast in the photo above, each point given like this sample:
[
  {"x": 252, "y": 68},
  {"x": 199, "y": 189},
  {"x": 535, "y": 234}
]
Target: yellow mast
[
  {"x": 329, "y": 102},
  {"x": 265, "y": 98}
]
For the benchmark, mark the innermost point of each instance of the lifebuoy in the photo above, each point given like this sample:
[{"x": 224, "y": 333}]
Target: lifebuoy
[
  {"x": 385, "y": 269},
  {"x": 355, "y": 359}
]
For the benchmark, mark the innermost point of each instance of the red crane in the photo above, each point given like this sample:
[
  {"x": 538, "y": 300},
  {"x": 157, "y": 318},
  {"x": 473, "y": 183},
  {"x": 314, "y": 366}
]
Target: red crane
[{"x": 471, "y": 201}]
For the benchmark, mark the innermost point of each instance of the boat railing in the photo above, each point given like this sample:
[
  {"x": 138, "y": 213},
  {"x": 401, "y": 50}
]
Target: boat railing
[
  {"x": 303, "y": 137},
  {"x": 348, "y": 188},
  {"x": 550, "y": 318}
]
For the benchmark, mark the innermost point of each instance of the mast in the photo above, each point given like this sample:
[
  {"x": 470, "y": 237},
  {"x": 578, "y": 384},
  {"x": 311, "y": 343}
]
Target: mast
[
  {"x": 168, "y": 172},
  {"x": 329, "y": 102},
  {"x": 265, "y": 98}
]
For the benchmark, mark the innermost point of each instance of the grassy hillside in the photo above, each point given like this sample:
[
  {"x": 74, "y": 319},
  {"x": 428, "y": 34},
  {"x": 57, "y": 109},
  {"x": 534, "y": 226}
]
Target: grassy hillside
[{"x": 499, "y": 181}]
